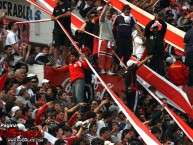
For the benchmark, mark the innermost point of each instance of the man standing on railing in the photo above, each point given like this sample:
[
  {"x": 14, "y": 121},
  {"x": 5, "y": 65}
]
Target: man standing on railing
[
  {"x": 123, "y": 25},
  {"x": 106, "y": 41},
  {"x": 131, "y": 82},
  {"x": 155, "y": 43},
  {"x": 188, "y": 49},
  {"x": 61, "y": 13}
]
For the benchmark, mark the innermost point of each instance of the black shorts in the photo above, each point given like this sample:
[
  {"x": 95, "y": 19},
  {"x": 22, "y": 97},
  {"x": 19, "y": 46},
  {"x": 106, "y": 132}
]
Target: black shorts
[{"x": 61, "y": 40}]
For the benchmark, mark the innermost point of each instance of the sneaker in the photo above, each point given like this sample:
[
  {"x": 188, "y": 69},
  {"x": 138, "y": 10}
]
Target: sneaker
[
  {"x": 103, "y": 71},
  {"x": 110, "y": 73}
]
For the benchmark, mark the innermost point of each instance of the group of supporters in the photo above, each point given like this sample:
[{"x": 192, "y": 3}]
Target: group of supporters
[{"x": 80, "y": 118}]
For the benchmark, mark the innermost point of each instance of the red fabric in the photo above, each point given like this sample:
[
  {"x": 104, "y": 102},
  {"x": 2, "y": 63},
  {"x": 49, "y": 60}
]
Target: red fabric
[
  {"x": 95, "y": 46},
  {"x": 31, "y": 143},
  {"x": 105, "y": 56},
  {"x": 58, "y": 121},
  {"x": 76, "y": 70},
  {"x": 187, "y": 129},
  {"x": 2, "y": 80},
  {"x": 144, "y": 54},
  {"x": 72, "y": 119},
  {"x": 24, "y": 117},
  {"x": 70, "y": 139},
  {"x": 39, "y": 114},
  {"x": 178, "y": 73},
  {"x": 178, "y": 53}
]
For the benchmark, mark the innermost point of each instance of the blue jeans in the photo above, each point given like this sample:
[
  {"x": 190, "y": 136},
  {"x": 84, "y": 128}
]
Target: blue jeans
[{"x": 78, "y": 90}]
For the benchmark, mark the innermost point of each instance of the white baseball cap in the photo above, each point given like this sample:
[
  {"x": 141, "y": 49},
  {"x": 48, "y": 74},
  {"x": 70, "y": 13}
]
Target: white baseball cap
[
  {"x": 99, "y": 8},
  {"x": 78, "y": 123},
  {"x": 185, "y": 8},
  {"x": 169, "y": 60},
  {"x": 45, "y": 81},
  {"x": 108, "y": 143},
  {"x": 131, "y": 62},
  {"x": 14, "y": 109},
  {"x": 30, "y": 75},
  {"x": 21, "y": 127},
  {"x": 154, "y": 25}
]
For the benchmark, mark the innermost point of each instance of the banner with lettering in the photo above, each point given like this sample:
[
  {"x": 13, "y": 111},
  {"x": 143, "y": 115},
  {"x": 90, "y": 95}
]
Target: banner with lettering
[
  {"x": 16, "y": 9},
  {"x": 115, "y": 83}
]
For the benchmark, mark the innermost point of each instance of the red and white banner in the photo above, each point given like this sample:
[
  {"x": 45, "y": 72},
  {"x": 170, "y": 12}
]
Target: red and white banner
[
  {"x": 115, "y": 83},
  {"x": 185, "y": 128},
  {"x": 146, "y": 135}
]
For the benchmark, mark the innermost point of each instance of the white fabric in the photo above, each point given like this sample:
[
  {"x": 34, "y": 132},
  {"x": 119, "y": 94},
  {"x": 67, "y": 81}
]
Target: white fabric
[
  {"x": 138, "y": 48},
  {"x": 126, "y": 18},
  {"x": 21, "y": 87},
  {"x": 100, "y": 124},
  {"x": 130, "y": 63}
]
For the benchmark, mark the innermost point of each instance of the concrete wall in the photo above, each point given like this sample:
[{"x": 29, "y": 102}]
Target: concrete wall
[{"x": 41, "y": 32}]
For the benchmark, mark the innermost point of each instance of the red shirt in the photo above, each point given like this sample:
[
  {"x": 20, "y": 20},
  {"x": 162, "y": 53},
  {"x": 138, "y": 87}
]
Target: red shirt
[
  {"x": 178, "y": 73},
  {"x": 70, "y": 139},
  {"x": 76, "y": 70}
]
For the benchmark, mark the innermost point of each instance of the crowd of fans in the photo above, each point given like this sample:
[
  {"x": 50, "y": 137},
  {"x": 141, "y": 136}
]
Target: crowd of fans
[{"x": 81, "y": 119}]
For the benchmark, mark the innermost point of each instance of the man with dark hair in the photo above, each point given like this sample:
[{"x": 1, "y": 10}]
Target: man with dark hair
[
  {"x": 156, "y": 131},
  {"x": 104, "y": 122},
  {"x": 188, "y": 49},
  {"x": 123, "y": 25},
  {"x": 62, "y": 14},
  {"x": 105, "y": 133},
  {"x": 51, "y": 94},
  {"x": 79, "y": 141},
  {"x": 57, "y": 132},
  {"x": 12, "y": 38},
  {"x": 126, "y": 136},
  {"x": 97, "y": 141},
  {"x": 92, "y": 131},
  {"x": 34, "y": 84},
  {"x": 77, "y": 76},
  {"x": 60, "y": 142},
  {"x": 8, "y": 57}
]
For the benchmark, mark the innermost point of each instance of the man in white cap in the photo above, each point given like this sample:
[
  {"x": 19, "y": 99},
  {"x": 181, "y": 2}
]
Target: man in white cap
[
  {"x": 130, "y": 82},
  {"x": 45, "y": 84},
  {"x": 16, "y": 114}
]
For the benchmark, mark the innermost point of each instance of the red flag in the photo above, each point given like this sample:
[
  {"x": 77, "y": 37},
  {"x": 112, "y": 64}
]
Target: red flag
[{"x": 2, "y": 80}]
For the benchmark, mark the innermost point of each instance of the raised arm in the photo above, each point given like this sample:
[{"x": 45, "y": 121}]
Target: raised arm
[
  {"x": 144, "y": 61},
  {"x": 103, "y": 14},
  {"x": 147, "y": 28}
]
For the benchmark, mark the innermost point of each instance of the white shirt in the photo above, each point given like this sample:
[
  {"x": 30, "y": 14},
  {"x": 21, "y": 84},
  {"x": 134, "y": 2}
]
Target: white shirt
[
  {"x": 138, "y": 48},
  {"x": 100, "y": 124},
  {"x": 29, "y": 91},
  {"x": 12, "y": 38}
]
